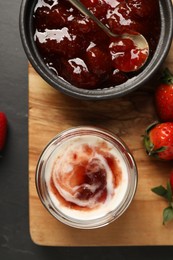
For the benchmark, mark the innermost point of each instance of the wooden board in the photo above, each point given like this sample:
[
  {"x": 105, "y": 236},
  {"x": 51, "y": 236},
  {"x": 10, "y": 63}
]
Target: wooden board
[{"x": 51, "y": 112}]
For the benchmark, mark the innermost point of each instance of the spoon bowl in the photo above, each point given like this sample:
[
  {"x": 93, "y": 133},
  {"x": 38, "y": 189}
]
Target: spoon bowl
[{"x": 138, "y": 39}]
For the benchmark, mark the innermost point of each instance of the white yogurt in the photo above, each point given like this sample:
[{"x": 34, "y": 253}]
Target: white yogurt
[{"x": 60, "y": 167}]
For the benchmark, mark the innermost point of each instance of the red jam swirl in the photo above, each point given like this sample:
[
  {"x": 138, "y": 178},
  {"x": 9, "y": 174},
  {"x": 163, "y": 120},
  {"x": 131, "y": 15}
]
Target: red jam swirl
[
  {"x": 76, "y": 49},
  {"x": 84, "y": 179}
]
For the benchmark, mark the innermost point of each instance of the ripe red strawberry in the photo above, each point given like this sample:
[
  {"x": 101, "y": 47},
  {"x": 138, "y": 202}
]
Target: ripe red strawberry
[
  {"x": 164, "y": 97},
  {"x": 3, "y": 130},
  {"x": 158, "y": 140}
]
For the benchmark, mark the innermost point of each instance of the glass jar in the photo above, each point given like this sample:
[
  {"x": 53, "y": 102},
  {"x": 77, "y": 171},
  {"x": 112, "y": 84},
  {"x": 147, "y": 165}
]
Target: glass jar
[{"x": 86, "y": 177}]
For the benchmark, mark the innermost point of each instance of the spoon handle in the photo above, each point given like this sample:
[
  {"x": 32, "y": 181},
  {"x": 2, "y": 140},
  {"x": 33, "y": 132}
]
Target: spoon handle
[
  {"x": 138, "y": 39},
  {"x": 86, "y": 12}
]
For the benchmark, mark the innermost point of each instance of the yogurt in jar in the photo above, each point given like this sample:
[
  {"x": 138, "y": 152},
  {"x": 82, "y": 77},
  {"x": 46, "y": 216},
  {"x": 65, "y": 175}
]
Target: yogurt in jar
[{"x": 86, "y": 176}]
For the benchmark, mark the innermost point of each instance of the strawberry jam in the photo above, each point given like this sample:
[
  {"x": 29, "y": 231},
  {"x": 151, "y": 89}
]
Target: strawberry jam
[{"x": 76, "y": 49}]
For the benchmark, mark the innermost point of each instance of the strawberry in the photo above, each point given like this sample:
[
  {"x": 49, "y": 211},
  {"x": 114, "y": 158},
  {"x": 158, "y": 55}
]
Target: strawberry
[
  {"x": 164, "y": 97},
  {"x": 158, "y": 140},
  {"x": 3, "y": 130}
]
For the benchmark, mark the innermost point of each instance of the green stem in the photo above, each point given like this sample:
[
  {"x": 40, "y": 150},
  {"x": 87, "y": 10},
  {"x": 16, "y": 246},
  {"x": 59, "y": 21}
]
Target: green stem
[{"x": 167, "y": 77}]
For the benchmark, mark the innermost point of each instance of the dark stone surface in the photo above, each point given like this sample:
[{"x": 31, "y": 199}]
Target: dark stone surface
[{"x": 15, "y": 242}]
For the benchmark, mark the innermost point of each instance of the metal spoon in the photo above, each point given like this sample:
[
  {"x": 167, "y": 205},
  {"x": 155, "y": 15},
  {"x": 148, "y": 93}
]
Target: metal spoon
[{"x": 138, "y": 39}]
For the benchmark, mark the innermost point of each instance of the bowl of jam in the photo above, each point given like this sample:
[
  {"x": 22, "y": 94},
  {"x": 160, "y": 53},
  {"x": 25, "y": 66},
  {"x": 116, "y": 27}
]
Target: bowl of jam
[
  {"x": 76, "y": 57},
  {"x": 86, "y": 177}
]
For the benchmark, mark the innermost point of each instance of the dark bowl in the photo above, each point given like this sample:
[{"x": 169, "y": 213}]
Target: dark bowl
[{"x": 58, "y": 83}]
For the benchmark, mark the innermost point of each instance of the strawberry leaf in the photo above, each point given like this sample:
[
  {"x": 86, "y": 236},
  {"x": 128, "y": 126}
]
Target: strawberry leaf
[
  {"x": 148, "y": 129},
  {"x": 167, "y": 214},
  {"x": 169, "y": 192},
  {"x": 160, "y": 190},
  {"x": 161, "y": 149},
  {"x": 167, "y": 77},
  {"x": 166, "y": 193}
]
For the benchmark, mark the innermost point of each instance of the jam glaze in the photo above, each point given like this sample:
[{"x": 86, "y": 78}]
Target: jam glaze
[
  {"x": 87, "y": 177},
  {"x": 76, "y": 49}
]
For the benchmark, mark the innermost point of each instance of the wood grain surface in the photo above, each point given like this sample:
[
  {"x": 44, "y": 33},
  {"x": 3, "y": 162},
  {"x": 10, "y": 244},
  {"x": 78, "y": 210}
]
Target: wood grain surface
[{"x": 50, "y": 112}]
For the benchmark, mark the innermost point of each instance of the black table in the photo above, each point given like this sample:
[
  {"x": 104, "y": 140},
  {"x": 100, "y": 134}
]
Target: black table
[{"x": 15, "y": 241}]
